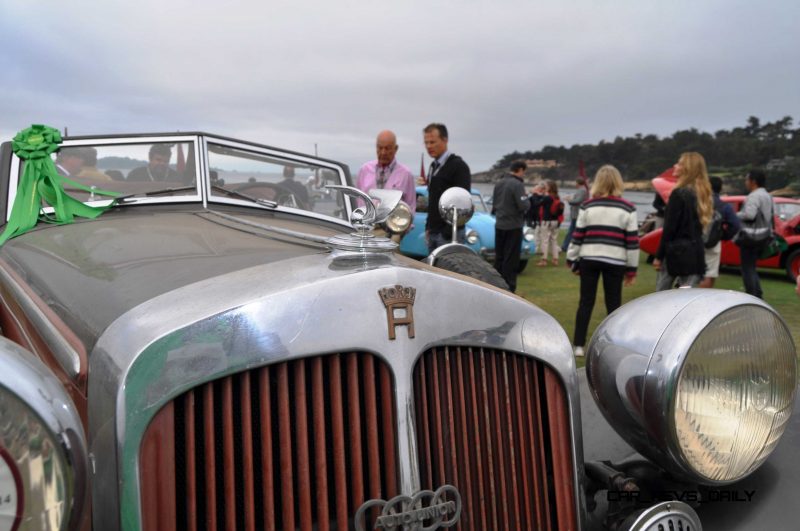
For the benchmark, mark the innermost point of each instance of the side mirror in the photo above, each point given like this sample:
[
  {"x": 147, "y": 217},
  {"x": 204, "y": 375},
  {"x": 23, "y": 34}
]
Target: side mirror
[{"x": 456, "y": 206}]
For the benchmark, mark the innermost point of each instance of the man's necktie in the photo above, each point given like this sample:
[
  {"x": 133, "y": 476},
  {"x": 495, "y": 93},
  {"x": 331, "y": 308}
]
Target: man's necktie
[
  {"x": 381, "y": 177},
  {"x": 434, "y": 167}
]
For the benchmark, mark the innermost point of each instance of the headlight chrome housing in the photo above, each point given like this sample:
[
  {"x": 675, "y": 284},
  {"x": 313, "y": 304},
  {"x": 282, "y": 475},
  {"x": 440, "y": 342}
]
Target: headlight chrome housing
[
  {"x": 400, "y": 219},
  {"x": 700, "y": 381},
  {"x": 43, "y": 466},
  {"x": 472, "y": 237}
]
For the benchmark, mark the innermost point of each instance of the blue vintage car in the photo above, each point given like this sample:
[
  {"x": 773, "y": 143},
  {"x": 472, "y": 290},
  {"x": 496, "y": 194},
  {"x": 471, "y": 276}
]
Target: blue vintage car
[{"x": 480, "y": 231}]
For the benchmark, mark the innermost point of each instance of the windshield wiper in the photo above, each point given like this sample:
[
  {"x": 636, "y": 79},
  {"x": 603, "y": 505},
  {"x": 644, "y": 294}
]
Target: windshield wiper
[
  {"x": 156, "y": 192},
  {"x": 257, "y": 200}
]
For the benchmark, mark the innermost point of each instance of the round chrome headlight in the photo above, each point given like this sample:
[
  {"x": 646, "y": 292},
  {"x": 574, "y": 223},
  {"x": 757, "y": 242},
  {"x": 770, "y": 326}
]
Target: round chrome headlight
[
  {"x": 528, "y": 234},
  {"x": 400, "y": 218},
  {"x": 42, "y": 446},
  {"x": 472, "y": 237},
  {"x": 700, "y": 381}
]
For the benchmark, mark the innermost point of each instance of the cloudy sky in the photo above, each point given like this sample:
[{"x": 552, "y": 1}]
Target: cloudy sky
[{"x": 502, "y": 75}]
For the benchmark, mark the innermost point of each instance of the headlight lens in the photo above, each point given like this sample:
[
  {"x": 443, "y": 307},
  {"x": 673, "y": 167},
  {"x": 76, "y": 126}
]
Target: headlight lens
[
  {"x": 734, "y": 393},
  {"x": 472, "y": 236},
  {"x": 400, "y": 218},
  {"x": 37, "y": 461},
  {"x": 528, "y": 235},
  {"x": 42, "y": 447}
]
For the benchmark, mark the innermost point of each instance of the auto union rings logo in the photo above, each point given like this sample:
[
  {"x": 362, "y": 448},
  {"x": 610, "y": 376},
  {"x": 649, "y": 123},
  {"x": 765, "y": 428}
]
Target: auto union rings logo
[{"x": 424, "y": 511}]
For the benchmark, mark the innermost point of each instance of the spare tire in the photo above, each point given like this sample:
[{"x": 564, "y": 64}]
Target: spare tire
[{"x": 471, "y": 265}]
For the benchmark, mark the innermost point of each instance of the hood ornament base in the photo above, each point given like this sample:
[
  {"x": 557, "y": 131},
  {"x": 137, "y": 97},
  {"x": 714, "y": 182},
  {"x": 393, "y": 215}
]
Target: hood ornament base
[{"x": 363, "y": 219}]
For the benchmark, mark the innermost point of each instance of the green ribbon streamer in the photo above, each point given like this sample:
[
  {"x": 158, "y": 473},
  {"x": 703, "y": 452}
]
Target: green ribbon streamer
[{"x": 41, "y": 185}]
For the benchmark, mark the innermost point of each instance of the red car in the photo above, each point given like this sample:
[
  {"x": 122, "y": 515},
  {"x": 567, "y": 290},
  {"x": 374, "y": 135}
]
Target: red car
[{"x": 787, "y": 224}]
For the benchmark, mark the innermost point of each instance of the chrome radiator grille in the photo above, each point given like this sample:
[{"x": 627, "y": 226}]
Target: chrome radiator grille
[
  {"x": 496, "y": 426},
  {"x": 295, "y": 445},
  {"x": 302, "y": 444}
]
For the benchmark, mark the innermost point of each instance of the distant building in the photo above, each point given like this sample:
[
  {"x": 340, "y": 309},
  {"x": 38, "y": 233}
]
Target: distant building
[
  {"x": 781, "y": 164},
  {"x": 541, "y": 163}
]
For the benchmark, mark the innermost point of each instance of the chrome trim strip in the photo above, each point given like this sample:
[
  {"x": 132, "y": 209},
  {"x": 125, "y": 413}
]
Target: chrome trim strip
[
  {"x": 66, "y": 356},
  {"x": 13, "y": 182},
  {"x": 267, "y": 228},
  {"x": 282, "y": 311}
]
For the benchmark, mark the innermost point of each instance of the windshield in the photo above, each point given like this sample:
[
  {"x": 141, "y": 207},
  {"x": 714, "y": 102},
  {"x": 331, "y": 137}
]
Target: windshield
[
  {"x": 274, "y": 179},
  {"x": 166, "y": 169},
  {"x": 480, "y": 206},
  {"x": 129, "y": 169},
  {"x": 787, "y": 211}
]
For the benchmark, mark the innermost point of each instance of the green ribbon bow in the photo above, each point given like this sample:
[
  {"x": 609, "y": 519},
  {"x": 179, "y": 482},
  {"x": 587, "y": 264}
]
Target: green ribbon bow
[{"x": 41, "y": 184}]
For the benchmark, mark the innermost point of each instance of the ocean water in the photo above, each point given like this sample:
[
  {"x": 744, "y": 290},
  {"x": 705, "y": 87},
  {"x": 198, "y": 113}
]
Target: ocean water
[{"x": 642, "y": 200}]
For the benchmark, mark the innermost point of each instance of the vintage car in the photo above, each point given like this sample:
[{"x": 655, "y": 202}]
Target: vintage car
[
  {"x": 200, "y": 353},
  {"x": 480, "y": 231},
  {"x": 787, "y": 224}
]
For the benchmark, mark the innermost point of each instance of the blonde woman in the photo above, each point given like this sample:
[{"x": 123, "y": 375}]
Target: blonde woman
[
  {"x": 605, "y": 242},
  {"x": 680, "y": 259}
]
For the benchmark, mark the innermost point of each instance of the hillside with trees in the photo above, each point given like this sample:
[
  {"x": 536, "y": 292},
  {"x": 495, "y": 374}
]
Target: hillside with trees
[{"x": 774, "y": 146}]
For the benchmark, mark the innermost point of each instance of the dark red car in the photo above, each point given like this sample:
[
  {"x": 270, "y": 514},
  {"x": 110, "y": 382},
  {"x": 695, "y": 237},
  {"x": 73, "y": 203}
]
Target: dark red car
[{"x": 787, "y": 224}]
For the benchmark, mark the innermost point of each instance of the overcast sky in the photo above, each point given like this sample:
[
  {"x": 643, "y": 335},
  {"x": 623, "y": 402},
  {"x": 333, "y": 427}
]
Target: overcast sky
[{"x": 503, "y": 76}]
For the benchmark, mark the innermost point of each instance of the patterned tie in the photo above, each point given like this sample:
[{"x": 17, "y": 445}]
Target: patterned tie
[{"x": 381, "y": 177}]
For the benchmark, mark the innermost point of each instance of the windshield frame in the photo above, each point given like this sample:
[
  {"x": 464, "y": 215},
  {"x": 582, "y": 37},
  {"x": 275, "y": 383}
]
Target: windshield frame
[{"x": 201, "y": 191}]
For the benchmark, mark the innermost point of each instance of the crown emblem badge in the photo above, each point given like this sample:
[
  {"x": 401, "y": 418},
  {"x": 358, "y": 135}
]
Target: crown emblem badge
[{"x": 399, "y": 302}]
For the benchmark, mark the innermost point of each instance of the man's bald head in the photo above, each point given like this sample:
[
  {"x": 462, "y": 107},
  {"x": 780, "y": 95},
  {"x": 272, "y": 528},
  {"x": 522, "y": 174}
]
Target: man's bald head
[{"x": 386, "y": 147}]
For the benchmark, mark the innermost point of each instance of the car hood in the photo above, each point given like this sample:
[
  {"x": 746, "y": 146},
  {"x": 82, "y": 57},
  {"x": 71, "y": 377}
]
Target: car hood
[{"x": 89, "y": 273}]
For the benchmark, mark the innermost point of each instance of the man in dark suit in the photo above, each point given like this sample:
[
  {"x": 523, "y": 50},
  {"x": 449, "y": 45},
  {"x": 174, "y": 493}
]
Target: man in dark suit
[
  {"x": 447, "y": 170},
  {"x": 158, "y": 168}
]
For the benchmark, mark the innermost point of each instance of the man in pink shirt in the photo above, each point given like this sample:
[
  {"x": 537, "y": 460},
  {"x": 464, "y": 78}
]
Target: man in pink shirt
[{"x": 386, "y": 172}]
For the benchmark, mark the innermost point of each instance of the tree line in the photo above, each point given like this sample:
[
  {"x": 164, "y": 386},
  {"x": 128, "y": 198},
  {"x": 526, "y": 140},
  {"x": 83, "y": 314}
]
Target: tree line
[{"x": 773, "y": 146}]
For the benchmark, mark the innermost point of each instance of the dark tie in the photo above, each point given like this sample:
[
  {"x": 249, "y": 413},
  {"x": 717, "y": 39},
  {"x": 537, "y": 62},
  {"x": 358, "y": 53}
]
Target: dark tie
[
  {"x": 434, "y": 167},
  {"x": 381, "y": 177}
]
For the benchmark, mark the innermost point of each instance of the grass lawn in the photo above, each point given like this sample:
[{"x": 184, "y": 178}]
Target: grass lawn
[{"x": 556, "y": 290}]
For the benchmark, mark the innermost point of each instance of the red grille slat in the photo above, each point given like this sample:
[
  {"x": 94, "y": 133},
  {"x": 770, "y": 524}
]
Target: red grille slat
[
  {"x": 499, "y": 434},
  {"x": 354, "y": 411},
  {"x": 465, "y": 472},
  {"x": 438, "y": 455},
  {"x": 229, "y": 468},
  {"x": 267, "y": 466},
  {"x": 477, "y": 439},
  {"x": 516, "y": 446},
  {"x": 209, "y": 454},
  {"x": 371, "y": 424},
  {"x": 339, "y": 459},
  {"x": 388, "y": 430},
  {"x": 557, "y": 413},
  {"x": 524, "y": 443},
  {"x": 318, "y": 398},
  {"x": 247, "y": 449},
  {"x": 191, "y": 470},
  {"x": 301, "y": 444},
  {"x": 285, "y": 447},
  {"x": 426, "y": 459},
  {"x": 278, "y": 447}
]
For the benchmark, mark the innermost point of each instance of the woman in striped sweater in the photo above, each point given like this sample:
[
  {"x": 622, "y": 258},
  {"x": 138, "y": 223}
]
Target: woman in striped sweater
[{"x": 605, "y": 242}]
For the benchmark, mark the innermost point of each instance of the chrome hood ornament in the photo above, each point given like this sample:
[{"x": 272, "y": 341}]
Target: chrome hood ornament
[{"x": 377, "y": 207}]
